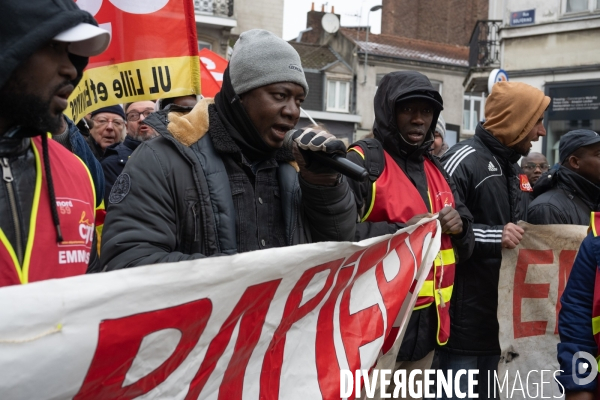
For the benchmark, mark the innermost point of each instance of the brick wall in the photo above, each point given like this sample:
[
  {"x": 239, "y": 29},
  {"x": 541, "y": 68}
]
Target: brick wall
[{"x": 442, "y": 21}]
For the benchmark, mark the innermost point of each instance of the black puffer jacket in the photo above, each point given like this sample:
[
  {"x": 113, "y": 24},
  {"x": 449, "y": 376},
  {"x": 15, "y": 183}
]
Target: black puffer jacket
[
  {"x": 164, "y": 209},
  {"x": 419, "y": 338},
  {"x": 563, "y": 197},
  {"x": 486, "y": 176},
  {"x": 115, "y": 158}
]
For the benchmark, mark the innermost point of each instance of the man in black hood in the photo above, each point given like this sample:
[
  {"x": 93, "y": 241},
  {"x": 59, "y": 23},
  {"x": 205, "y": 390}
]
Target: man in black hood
[
  {"x": 47, "y": 200},
  {"x": 218, "y": 180},
  {"x": 408, "y": 183}
]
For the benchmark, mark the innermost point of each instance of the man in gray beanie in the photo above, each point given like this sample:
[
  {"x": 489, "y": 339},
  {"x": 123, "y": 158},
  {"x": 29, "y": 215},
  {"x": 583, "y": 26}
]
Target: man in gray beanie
[
  {"x": 439, "y": 146},
  {"x": 218, "y": 180}
]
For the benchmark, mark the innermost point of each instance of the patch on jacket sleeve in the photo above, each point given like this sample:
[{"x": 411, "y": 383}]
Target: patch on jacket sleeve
[
  {"x": 120, "y": 189},
  {"x": 525, "y": 185}
]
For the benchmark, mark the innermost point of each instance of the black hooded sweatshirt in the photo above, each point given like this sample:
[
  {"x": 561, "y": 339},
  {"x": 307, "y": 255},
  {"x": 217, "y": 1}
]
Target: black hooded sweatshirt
[
  {"x": 25, "y": 26},
  {"x": 487, "y": 176},
  {"x": 563, "y": 197},
  {"x": 419, "y": 339}
]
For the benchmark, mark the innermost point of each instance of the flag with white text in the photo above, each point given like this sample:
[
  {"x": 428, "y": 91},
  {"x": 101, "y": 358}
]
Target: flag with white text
[{"x": 153, "y": 54}]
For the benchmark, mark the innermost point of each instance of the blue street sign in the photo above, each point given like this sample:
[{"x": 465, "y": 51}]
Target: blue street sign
[{"x": 522, "y": 17}]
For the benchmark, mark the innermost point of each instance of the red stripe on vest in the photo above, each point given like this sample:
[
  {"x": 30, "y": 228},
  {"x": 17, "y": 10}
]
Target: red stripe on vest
[
  {"x": 595, "y": 224},
  {"x": 44, "y": 258}
]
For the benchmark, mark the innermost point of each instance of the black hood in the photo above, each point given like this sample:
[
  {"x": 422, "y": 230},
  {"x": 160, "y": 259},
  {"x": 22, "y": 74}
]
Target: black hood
[
  {"x": 570, "y": 181},
  {"x": 494, "y": 145},
  {"x": 27, "y": 25},
  {"x": 394, "y": 87}
]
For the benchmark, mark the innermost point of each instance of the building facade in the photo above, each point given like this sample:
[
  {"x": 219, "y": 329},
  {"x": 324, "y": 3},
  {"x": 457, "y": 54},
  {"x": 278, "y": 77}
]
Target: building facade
[
  {"x": 552, "y": 45},
  {"x": 441, "y": 21},
  {"x": 331, "y": 90},
  {"x": 220, "y": 22},
  {"x": 349, "y": 91}
]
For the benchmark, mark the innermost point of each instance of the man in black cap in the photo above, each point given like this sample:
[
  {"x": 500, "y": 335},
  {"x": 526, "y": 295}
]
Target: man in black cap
[
  {"x": 218, "y": 180},
  {"x": 569, "y": 194},
  {"x": 407, "y": 183},
  {"x": 47, "y": 196}
]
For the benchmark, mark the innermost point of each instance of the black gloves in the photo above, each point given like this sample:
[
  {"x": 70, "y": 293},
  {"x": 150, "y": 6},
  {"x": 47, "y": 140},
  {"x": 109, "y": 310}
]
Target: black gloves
[{"x": 311, "y": 140}]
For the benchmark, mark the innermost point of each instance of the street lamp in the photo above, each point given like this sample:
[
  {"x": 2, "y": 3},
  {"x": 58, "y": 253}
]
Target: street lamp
[{"x": 374, "y": 8}]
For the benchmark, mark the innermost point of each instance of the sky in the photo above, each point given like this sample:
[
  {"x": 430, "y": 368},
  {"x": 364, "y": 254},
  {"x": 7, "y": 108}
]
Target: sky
[{"x": 353, "y": 13}]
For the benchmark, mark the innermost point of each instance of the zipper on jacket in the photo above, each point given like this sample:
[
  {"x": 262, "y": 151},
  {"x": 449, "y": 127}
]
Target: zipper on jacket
[
  {"x": 195, "y": 223},
  {"x": 8, "y": 178}
]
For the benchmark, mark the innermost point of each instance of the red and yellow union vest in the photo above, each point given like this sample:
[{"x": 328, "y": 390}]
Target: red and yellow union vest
[
  {"x": 595, "y": 230},
  {"x": 44, "y": 258},
  {"x": 396, "y": 199}
]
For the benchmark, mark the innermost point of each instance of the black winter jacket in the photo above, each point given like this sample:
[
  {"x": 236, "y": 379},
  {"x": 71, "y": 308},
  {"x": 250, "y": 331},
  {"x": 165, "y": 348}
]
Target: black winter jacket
[
  {"x": 161, "y": 207},
  {"x": 563, "y": 197},
  {"x": 486, "y": 176},
  {"x": 419, "y": 338},
  {"x": 115, "y": 157}
]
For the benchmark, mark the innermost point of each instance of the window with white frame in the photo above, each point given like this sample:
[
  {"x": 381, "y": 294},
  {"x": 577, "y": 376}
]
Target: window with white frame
[
  {"x": 437, "y": 86},
  {"x": 338, "y": 95},
  {"x": 473, "y": 106},
  {"x": 580, "y": 6}
]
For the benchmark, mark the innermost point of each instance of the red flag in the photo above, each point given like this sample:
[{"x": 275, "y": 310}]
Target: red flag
[
  {"x": 212, "y": 67},
  {"x": 153, "y": 53}
]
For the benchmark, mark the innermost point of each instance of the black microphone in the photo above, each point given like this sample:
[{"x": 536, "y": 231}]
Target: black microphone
[{"x": 334, "y": 161}]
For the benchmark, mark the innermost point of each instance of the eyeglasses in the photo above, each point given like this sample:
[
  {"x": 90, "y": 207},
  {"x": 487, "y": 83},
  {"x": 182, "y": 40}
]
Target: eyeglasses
[
  {"x": 101, "y": 122},
  {"x": 532, "y": 166},
  {"x": 135, "y": 115}
]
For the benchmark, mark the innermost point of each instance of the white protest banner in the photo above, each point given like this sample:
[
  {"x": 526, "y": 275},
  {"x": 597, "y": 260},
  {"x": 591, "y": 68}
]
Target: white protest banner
[
  {"x": 532, "y": 279},
  {"x": 271, "y": 324}
]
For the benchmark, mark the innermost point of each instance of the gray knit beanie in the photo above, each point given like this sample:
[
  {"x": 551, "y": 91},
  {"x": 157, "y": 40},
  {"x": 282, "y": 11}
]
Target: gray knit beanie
[
  {"x": 260, "y": 58},
  {"x": 441, "y": 127}
]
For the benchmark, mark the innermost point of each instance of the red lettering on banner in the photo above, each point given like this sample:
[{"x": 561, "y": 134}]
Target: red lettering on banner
[
  {"x": 566, "y": 259},
  {"x": 401, "y": 283},
  {"x": 119, "y": 342},
  {"x": 270, "y": 375},
  {"x": 358, "y": 329},
  {"x": 251, "y": 312},
  {"x": 524, "y": 290},
  {"x": 327, "y": 362},
  {"x": 408, "y": 269}
]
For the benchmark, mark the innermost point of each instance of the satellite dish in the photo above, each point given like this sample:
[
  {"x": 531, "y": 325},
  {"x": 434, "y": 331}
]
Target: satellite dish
[{"x": 330, "y": 23}]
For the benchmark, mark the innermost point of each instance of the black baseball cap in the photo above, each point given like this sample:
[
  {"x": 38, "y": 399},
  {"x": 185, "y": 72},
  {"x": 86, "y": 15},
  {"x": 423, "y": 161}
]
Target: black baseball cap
[
  {"x": 573, "y": 140},
  {"x": 436, "y": 101}
]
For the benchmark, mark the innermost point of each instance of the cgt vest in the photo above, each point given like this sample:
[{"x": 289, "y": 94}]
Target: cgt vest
[
  {"x": 595, "y": 230},
  {"x": 392, "y": 185},
  {"x": 43, "y": 257}
]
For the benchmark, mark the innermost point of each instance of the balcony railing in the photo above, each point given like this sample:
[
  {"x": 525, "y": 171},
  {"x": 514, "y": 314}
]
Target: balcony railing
[
  {"x": 485, "y": 44},
  {"x": 219, "y": 8}
]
